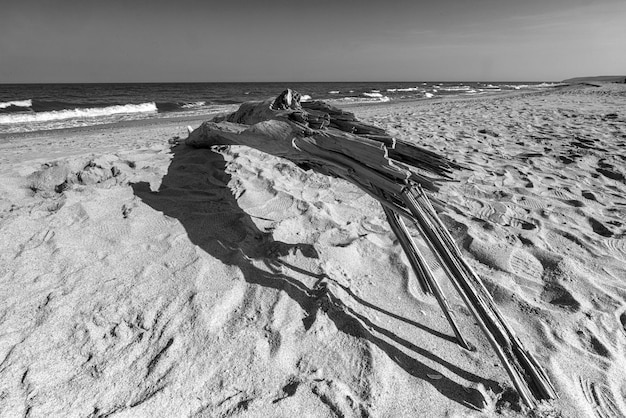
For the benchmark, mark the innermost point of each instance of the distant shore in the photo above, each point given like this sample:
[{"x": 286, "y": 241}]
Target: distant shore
[{"x": 602, "y": 79}]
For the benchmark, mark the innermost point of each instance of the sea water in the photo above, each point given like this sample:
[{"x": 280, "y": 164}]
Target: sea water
[{"x": 35, "y": 107}]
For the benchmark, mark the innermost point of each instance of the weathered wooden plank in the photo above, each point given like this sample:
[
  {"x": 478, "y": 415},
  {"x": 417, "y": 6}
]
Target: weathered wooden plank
[
  {"x": 335, "y": 112},
  {"x": 356, "y": 128},
  {"x": 366, "y": 174},
  {"x": 387, "y": 140},
  {"x": 422, "y": 271},
  {"x": 528, "y": 378}
]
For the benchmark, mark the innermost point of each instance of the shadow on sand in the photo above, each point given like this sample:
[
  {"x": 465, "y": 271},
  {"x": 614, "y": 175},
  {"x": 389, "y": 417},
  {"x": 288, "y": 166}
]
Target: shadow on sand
[{"x": 195, "y": 192}]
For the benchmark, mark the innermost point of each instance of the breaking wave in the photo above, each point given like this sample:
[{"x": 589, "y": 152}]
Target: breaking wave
[
  {"x": 16, "y": 103},
  {"x": 455, "y": 88},
  {"x": 177, "y": 106},
  {"x": 354, "y": 100},
  {"x": 92, "y": 112},
  {"x": 25, "y": 108},
  {"x": 404, "y": 89}
]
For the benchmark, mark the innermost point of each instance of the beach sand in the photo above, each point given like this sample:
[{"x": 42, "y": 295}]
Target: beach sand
[{"x": 143, "y": 278}]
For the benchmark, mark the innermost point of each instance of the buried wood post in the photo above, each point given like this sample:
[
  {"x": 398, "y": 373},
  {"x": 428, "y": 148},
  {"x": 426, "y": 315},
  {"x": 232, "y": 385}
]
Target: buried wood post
[{"x": 416, "y": 260}]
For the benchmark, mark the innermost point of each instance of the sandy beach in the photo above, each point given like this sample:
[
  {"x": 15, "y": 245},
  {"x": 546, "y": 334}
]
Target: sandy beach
[{"x": 140, "y": 277}]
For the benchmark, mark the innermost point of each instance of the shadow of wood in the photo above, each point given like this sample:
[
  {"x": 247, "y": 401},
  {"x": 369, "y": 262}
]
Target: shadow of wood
[{"x": 195, "y": 192}]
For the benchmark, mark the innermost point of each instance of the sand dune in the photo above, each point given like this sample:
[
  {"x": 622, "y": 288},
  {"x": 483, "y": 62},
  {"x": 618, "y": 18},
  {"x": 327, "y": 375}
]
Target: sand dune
[{"x": 141, "y": 278}]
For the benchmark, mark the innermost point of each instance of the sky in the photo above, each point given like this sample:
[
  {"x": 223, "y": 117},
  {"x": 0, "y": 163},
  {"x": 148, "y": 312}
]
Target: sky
[{"x": 45, "y": 41}]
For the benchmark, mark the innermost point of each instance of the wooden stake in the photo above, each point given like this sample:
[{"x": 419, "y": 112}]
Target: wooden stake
[
  {"x": 424, "y": 275},
  {"x": 527, "y": 376}
]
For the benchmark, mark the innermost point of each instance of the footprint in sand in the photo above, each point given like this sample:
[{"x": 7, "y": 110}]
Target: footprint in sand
[
  {"x": 471, "y": 190},
  {"x": 266, "y": 203},
  {"x": 530, "y": 202},
  {"x": 588, "y": 195},
  {"x": 613, "y": 175},
  {"x": 498, "y": 213},
  {"x": 600, "y": 399},
  {"x": 525, "y": 265},
  {"x": 112, "y": 230},
  {"x": 599, "y": 228},
  {"x": 609, "y": 171},
  {"x": 528, "y": 182},
  {"x": 481, "y": 210},
  {"x": 592, "y": 343},
  {"x": 560, "y": 193},
  {"x": 615, "y": 245},
  {"x": 520, "y": 224},
  {"x": 574, "y": 202},
  {"x": 555, "y": 294},
  {"x": 278, "y": 206},
  {"x": 563, "y": 241}
]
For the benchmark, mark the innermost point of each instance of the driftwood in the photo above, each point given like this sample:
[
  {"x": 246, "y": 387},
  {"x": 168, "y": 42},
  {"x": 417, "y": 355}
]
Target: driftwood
[{"x": 317, "y": 136}]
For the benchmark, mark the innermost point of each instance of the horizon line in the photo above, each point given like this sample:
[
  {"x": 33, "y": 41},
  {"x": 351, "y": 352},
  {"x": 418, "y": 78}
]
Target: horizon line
[{"x": 295, "y": 82}]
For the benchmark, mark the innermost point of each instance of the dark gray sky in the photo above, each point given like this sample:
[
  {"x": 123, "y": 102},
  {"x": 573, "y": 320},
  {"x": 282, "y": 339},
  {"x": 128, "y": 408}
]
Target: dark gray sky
[{"x": 309, "y": 40}]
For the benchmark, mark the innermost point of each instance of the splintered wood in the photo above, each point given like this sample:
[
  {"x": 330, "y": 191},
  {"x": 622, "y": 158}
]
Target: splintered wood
[{"x": 329, "y": 140}]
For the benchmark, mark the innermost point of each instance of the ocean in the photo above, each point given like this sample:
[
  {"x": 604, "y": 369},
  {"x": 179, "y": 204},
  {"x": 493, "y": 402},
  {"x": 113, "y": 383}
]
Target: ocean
[{"x": 36, "y": 107}]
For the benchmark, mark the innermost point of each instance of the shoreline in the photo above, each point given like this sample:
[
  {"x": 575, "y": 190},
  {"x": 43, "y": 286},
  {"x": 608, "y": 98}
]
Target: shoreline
[
  {"x": 153, "y": 122},
  {"x": 106, "y": 126}
]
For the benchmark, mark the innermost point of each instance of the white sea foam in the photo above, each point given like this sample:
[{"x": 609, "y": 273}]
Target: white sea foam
[
  {"x": 455, "y": 88},
  {"x": 529, "y": 86},
  {"x": 305, "y": 98},
  {"x": 404, "y": 89},
  {"x": 349, "y": 100},
  {"x": 18, "y": 103},
  {"x": 194, "y": 104},
  {"x": 40, "y": 125},
  {"x": 374, "y": 94},
  {"x": 428, "y": 95},
  {"x": 77, "y": 113},
  {"x": 334, "y": 92},
  {"x": 549, "y": 85}
]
